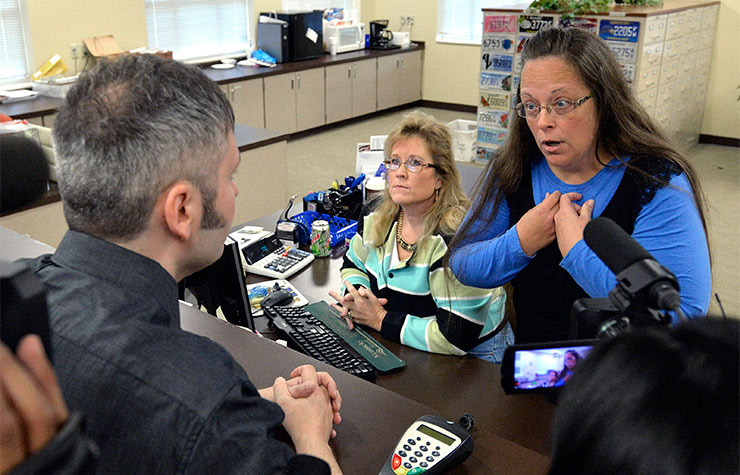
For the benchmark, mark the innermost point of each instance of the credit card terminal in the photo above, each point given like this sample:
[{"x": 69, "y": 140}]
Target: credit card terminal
[{"x": 430, "y": 445}]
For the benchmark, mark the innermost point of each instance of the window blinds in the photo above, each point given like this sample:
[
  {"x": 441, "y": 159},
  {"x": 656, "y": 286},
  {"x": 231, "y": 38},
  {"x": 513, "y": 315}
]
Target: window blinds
[
  {"x": 303, "y": 5},
  {"x": 198, "y": 29},
  {"x": 461, "y": 21},
  {"x": 13, "y": 57}
]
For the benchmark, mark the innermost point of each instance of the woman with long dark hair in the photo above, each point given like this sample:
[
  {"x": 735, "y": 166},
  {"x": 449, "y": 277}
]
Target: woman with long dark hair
[
  {"x": 580, "y": 146},
  {"x": 570, "y": 360}
]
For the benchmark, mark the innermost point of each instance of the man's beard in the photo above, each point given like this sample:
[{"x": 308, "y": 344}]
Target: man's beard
[{"x": 212, "y": 219}]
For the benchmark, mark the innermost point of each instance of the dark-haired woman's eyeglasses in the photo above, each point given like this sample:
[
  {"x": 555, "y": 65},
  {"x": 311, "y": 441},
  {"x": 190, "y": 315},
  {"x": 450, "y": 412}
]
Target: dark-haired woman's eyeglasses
[
  {"x": 531, "y": 110},
  {"x": 413, "y": 165}
]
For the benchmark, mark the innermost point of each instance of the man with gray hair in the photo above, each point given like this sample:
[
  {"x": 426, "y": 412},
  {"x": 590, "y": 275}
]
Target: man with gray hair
[{"x": 146, "y": 155}]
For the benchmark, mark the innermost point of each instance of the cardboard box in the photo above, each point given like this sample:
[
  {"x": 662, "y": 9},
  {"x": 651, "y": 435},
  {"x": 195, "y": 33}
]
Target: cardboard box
[
  {"x": 166, "y": 54},
  {"x": 103, "y": 46}
]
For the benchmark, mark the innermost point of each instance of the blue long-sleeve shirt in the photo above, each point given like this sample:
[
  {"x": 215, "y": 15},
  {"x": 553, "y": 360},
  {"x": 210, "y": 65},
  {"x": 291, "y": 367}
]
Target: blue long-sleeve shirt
[{"x": 668, "y": 227}]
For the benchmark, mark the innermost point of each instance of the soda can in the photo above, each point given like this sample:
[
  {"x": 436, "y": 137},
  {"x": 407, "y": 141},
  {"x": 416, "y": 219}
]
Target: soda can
[{"x": 320, "y": 238}]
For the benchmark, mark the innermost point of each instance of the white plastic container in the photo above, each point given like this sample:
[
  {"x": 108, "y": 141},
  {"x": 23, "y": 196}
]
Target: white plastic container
[
  {"x": 464, "y": 136},
  {"x": 368, "y": 160}
]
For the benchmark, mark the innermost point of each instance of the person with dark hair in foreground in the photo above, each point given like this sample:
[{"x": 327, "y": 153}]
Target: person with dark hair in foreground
[
  {"x": 146, "y": 155},
  {"x": 654, "y": 401}
]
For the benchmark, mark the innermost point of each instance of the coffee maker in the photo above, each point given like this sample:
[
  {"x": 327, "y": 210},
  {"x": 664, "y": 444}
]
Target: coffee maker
[{"x": 380, "y": 37}]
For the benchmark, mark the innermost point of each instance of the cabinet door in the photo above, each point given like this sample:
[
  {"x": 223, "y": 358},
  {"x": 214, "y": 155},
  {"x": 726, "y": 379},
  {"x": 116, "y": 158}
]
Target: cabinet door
[
  {"x": 310, "y": 99},
  {"x": 339, "y": 92},
  {"x": 248, "y": 103},
  {"x": 410, "y": 81},
  {"x": 364, "y": 87},
  {"x": 388, "y": 67},
  {"x": 280, "y": 103}
]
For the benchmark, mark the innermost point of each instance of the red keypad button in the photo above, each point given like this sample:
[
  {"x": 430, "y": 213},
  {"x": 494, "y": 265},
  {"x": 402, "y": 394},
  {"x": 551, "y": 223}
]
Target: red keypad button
[{"x": 396, "y": 461}]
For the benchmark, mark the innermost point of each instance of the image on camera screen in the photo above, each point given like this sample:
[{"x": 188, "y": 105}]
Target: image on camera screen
[{"x": 546, "y": 367}]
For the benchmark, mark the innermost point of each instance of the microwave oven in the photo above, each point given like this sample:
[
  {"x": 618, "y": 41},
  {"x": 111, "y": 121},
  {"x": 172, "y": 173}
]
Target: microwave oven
[{"x": 349, "y": 37}]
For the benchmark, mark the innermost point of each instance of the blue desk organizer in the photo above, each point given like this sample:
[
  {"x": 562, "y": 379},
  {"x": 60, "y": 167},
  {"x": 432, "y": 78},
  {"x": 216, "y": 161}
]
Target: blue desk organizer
[{"x": 339, "y": 228}]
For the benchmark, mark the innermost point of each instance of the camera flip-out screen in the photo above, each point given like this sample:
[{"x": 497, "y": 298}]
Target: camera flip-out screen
[{"x": 541, "y": 367}]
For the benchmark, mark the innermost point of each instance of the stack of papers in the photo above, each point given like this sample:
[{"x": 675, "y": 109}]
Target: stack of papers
[{"x": 7, "y": 97}]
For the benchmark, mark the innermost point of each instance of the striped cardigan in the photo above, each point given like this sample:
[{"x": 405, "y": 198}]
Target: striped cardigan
[{"x": 426, "y": 309}]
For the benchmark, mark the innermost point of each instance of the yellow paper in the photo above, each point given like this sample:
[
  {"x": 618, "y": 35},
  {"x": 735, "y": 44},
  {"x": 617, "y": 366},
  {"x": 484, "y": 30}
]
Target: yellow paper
[{"x": 54, "y": 66}]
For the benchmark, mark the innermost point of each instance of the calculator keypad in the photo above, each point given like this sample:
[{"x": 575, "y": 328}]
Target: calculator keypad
[{"x": 285, "y": 258}]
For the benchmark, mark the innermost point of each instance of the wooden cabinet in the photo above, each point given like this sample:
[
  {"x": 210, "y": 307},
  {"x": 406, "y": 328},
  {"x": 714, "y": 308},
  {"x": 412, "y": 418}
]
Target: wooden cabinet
[
  {"x": 280, "y": 102},
  {"x": 399, "y": 79},
  {"x": 295, "y": 101},
  {"x": 247, "y": 99},
  {"x": 338, "y": 92},
  {"x": 310, "y": 103},
  {"x": 43, "y": 120},
  {"x": 388, "y": 77},
  {"x": 364, "y": 87},
  {"x": 410, "y": 78},
  {"x": 350, "y": 90}
]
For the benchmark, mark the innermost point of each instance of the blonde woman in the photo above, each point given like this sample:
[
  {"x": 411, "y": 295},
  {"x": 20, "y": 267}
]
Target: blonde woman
[{"x": 394, "y": 281}]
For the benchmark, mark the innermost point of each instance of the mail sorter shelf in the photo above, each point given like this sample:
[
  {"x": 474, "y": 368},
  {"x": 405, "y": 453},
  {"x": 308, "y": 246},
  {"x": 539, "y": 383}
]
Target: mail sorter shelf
[{"x": 664, "y": 52}]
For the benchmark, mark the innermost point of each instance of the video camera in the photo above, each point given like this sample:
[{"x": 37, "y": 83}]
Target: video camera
[{"x": 645, "y": 291}]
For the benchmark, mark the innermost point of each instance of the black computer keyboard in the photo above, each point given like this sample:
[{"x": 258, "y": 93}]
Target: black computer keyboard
[{"x": 310, "y": 336}]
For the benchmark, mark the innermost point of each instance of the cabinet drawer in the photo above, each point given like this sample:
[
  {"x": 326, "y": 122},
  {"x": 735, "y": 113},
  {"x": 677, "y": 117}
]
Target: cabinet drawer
[
  {"x": 709, "y": 19},
  {"x": 680, "y": 110},
  {"x": 675, "y": 25},
  {"x": 652, "y": 55},
  {"x": 665, "y": 94},
  {"x": 693, "y": 19},
  {"x": 655, "y": 28},
  {"x": 648, "y": 79},
  {"x": 687, "y": 63},
  {"x": 669, "y": 71},
  {"x": 648, "y": 99},
  {"x": 691, "y": 42},
  {"x": 700, "y": 80},
  {"x": 683, "y": 88},
  {"x": 703, "y": 58},
  {"x": 707, "y": 39},
  {"x": 672, "y": 49},
  {"x": 663, "y": 115}
]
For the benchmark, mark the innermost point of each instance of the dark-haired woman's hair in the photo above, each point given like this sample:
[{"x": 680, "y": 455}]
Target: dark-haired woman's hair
[
  {"x": 657, "y": 401},
  {"x": 565, "y": 370},
  {"x": 624, "y": 128}
]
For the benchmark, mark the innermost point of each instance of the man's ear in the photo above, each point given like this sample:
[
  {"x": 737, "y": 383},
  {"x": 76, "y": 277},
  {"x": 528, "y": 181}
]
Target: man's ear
[{"x": 181, "y": 208}]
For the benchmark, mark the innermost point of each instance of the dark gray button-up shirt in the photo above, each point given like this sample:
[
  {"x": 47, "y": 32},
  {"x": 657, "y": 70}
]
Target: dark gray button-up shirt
[{"x": 157, "y": 399}]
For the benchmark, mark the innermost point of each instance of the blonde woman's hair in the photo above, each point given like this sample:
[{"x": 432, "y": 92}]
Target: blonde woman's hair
[{"x": 448, "y": 211}]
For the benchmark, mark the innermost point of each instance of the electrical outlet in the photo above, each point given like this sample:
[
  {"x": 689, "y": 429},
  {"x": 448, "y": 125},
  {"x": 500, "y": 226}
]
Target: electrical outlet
[
  {"x": 410, "y": 20},
  {"x": 77, "y": 50}
]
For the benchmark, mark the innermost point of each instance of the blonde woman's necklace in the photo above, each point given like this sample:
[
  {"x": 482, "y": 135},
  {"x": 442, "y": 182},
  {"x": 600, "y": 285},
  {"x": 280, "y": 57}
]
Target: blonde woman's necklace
[{"x": 404, "y": 245}]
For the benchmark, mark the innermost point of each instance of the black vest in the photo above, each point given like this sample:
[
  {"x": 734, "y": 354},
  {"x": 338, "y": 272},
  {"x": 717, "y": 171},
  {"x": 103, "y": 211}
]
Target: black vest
[{"x": 544, "y": 292}]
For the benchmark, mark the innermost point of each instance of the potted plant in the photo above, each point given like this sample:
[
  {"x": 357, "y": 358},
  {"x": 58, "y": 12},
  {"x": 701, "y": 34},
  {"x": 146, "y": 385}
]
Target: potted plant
[{"x": 569, "y": 9}]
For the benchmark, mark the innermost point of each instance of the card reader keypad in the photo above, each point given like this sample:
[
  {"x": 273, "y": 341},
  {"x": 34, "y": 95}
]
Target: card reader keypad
[{"x": 416, "y": 456}]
